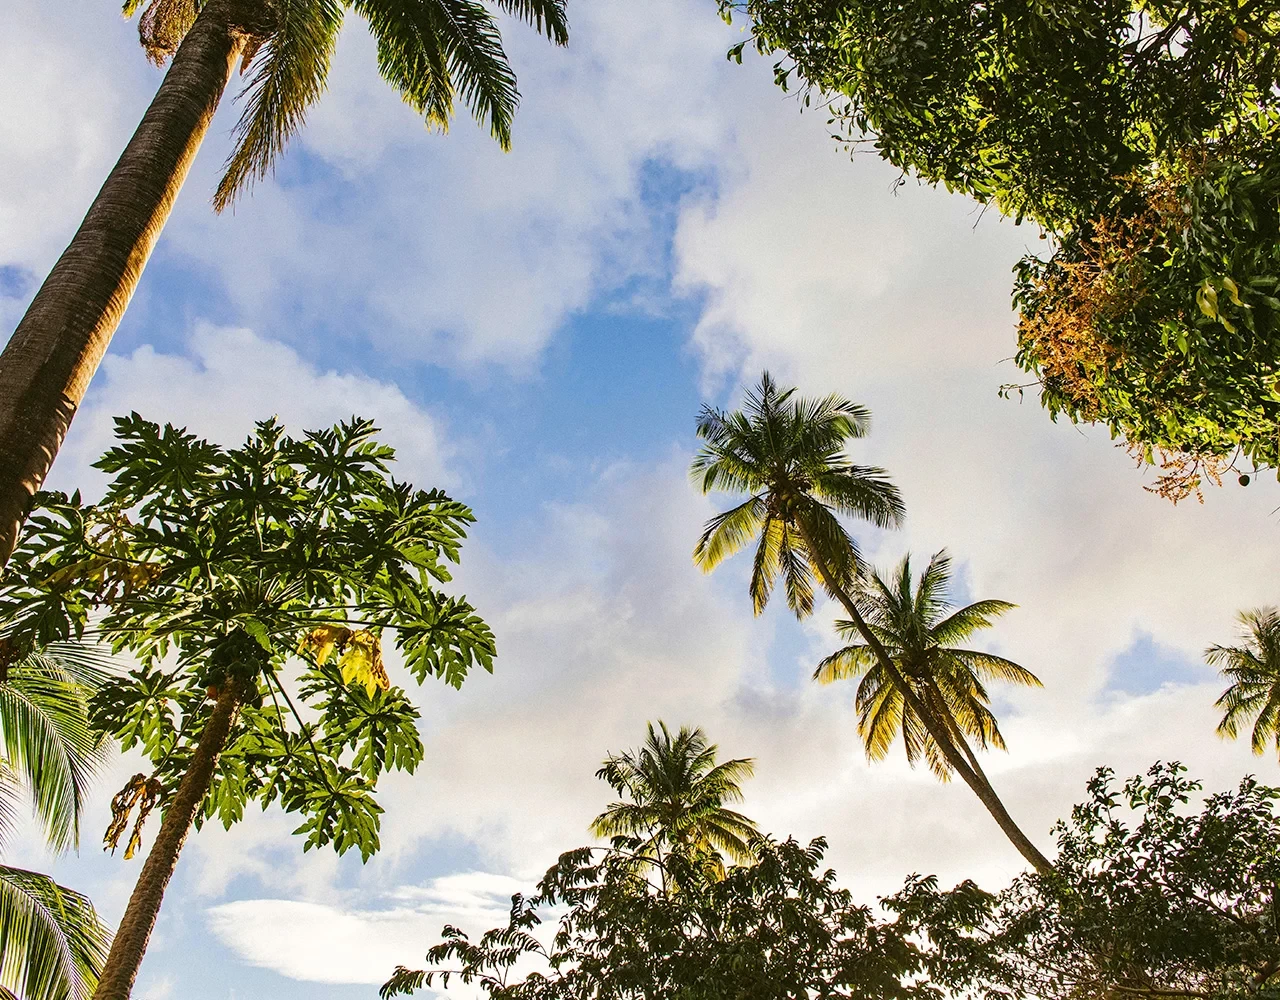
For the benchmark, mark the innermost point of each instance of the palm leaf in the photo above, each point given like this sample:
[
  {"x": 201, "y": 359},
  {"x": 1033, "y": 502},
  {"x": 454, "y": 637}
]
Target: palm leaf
[
  {"x": 289, "y": 75},
  {"x": 45, "y": 735},
  {"x": 435, "y": 50},
  {"x": 52, "y": 944},
  {"x": 728, "y": 533},
  {"x": 547, "y": 16}
]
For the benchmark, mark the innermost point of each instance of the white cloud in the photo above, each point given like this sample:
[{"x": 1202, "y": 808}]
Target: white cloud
[
  {"x": 231, "y": 378},
  {"x": 321, "y": 943},
  {"x": 443, "y": 249}
]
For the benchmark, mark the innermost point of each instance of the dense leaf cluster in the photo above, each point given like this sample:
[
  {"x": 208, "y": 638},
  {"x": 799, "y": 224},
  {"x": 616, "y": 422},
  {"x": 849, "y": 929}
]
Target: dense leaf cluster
[
  {"x": 1142, "y": 136},
  {"x": 214, "y": 566},
  {"x": 1146, "y": 899},
  {"x": 777, "y": 928},
  {"x": 1166, "y": 903}
]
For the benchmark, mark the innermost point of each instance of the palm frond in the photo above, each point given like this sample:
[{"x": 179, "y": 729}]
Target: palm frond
[
  {"x": 861, "y": 491},
  {"x": 845, "y": 664},
  {"x": 833, "y": 548},
  {"x": 52, "y": 944},
  {"x": 962, "y": 623},
  {"x": 989, "y": 665},
  {"x": 1253, "y": 668},
  {"x": 289, "y": 74},
  {"x": 435, "y": 50},
  {"x": 767, "y": 562},
  {"x": 46, "y": 738},
  {"x": 547, "y": 16},
  {"x": 727, "y": 533},
  {"x": 795, "y": 560}
]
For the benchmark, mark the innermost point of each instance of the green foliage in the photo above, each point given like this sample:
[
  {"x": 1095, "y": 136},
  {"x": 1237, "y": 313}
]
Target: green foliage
[
  {"x": 434, "y": 52},
  {"x": 674, "y": 794},
  {"x": 52, "y": 944},
  {"x": 1147, "y": 899},
  {"x": 48, "y": 750},
  {"x": 1167, "y": 903},
  {"x": 1161, "y": 320},
  {"x": 778, "y": 928},
  {"x": 1142, "y": 137},
  {"x": 788, "y": 454},
  {"x": 919, "y": 629},
  {"x": 1253, "y": 667},
  {"x": 216, "y": 567}
]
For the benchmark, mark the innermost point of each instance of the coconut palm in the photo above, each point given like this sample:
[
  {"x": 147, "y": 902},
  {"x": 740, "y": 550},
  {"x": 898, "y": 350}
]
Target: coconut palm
[
  {"x": 1253, "y": 668},
  {"x": 674, "y": 797},
  {"x": 787, "y": 454},
  {"x": 52, "y": 944},
  {"x": 434, "y": 52},
  {"x": 919, "y": 629}
]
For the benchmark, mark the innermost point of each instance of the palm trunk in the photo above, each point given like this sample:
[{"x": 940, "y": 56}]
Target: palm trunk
[
  {"x": 48, "y": 362},
  {"x": 973, "y": 775},
  {"x": 130, "y": 942}
]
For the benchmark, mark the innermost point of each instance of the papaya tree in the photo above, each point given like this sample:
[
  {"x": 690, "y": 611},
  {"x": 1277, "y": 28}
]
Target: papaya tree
[{"x": 246, "y": 583}]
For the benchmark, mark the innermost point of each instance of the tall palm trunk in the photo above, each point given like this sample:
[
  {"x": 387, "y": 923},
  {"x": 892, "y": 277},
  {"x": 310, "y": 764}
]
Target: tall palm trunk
[
  {"x": 139, "y": 918},
  {"x": 48, "y": 362},
  {"x": 948, "y": 741}
]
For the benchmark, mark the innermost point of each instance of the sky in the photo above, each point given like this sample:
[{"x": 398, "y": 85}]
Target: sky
[{"x": 535, "y": 332}]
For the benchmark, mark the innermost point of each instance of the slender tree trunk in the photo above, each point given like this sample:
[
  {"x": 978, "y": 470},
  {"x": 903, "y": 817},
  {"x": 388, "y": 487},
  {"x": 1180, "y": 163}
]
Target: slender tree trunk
[
  {"x": 973, "y": 775},
  {"x": 48, "y": 362},
  {"x": 130, "y": 942}
]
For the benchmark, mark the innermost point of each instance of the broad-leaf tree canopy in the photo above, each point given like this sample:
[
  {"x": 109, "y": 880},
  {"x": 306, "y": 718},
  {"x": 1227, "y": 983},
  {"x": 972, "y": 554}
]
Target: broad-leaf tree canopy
[
  {"x": 1142, "y": 136},
  {"x": 276, "y": 567},
  {"x": 1148, "y": 898}
]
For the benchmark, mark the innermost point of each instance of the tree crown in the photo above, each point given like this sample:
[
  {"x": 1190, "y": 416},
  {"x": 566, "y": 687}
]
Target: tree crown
[{"x": 216, "y": 567}]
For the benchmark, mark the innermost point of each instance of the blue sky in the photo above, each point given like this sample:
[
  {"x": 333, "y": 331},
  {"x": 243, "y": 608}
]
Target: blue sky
[{"x": 536, "y": 332}]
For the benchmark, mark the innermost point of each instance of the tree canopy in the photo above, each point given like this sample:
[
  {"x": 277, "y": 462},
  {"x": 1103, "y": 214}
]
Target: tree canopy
[
  {"x": 921, "y": 629},
  {"x": 1148, "y": 898},
  {"x": 674, "y": 796},
  {"x": 215, "y": 566},
  {"x": 1141, "y": 136}
]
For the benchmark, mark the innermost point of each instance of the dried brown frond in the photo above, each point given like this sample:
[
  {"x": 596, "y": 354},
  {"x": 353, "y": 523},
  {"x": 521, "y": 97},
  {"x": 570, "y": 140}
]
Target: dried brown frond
[
  {"x": 162, "y": 27},
  {"x": 141, "y": 791}
]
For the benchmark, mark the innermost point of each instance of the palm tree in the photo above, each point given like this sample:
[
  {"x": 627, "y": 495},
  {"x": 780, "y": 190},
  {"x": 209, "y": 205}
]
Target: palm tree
[
  {"x": 788, "y": 455},
  {"x": 432, "y": 51},
  {"x": 52, "y": 944},
  {"x": 916, "y": 625},
  {"x": 1253, "y": 668},
  {"x": 674, "y": 795}
]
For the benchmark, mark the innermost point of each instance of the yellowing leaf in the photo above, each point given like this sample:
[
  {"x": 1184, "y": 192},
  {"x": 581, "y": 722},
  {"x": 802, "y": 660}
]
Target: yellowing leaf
[
  {"x": 1230, "y": 286},
  {"x": 362, "y": 662},
  {"x": 322, "y": 639},
  {"x": 1207, "y": 300}
]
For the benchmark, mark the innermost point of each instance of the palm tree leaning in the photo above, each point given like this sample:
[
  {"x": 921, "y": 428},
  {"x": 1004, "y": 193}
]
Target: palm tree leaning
[
  {"x": 919, "y": 630},
  {"x": 52, "y": 944},
  {"x": 1253, "y": 668},
  {"x": 788, "y": 455},
  {"x": 431, "y": 51},
  {"x": 674, "y": 797}
]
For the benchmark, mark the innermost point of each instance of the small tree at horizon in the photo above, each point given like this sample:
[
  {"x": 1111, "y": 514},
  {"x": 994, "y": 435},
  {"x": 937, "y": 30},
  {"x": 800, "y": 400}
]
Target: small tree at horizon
[
  {"x": 214, "y": 568},
  {"x": 674, "y": 798}
]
